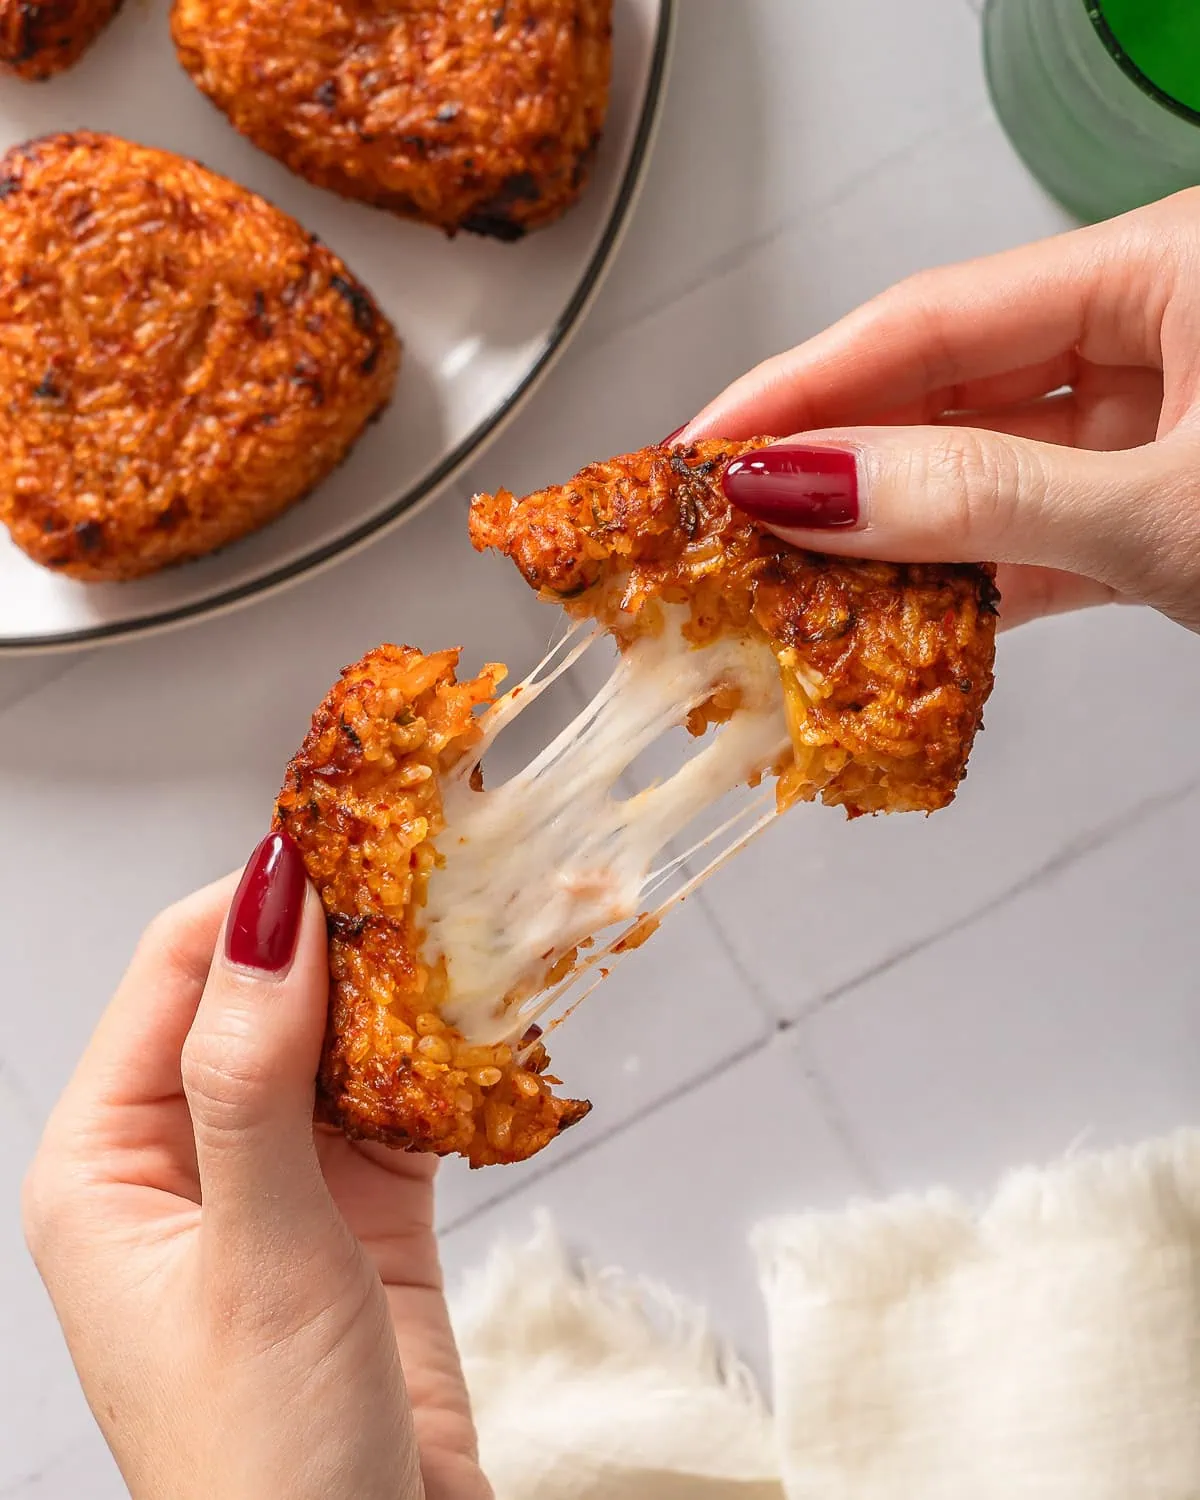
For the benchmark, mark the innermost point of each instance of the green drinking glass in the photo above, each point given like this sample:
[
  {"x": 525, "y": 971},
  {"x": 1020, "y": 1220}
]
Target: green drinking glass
[{"x": 1100, "y": 97}]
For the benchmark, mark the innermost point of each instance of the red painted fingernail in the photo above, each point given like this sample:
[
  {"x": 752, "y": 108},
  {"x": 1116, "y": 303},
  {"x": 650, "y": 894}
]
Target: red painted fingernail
[
  {"x": 264, "y": 920},
  {"x": 812, "y": 489},
  {"x": 669, "y": 442}
]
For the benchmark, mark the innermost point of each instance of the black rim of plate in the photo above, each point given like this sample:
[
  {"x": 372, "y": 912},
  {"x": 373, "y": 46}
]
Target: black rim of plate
[{"x": 226, "y": 600}]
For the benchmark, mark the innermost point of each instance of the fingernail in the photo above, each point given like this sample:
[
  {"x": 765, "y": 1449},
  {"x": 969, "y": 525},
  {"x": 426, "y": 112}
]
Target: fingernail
[
  {"x": 669, "y": 442},
  {"x": 813, "y": 489},
  {"x": 264, "y": 920}
]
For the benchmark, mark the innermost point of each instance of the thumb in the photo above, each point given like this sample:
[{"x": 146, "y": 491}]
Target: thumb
[
  {"x": 944, "y": 494},
  {"x": 251, "y": 1056}
]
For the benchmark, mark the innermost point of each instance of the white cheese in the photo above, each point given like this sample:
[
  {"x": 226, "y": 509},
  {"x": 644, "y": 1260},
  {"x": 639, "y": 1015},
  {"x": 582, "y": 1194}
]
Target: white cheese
[{"x": 555, "y": 855}]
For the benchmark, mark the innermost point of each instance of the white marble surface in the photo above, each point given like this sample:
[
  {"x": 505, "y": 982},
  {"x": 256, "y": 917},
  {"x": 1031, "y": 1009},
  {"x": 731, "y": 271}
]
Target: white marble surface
[{"x": 850, "y": 1008}]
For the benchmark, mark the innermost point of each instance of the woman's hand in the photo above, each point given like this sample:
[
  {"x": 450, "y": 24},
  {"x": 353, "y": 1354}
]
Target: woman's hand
[
  {"x": 255, "y": 1309},
  {"x": 1089, "y": 494}
]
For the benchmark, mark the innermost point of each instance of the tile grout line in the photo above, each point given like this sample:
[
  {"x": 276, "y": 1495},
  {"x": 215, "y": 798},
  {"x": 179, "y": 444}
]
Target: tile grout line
[
  {"x": 14, "y": 1488},
  {"x": 753, "y": 987},
  {"x": 768, "y": 1023},
  {"x": 51, "y": 677},
  {"x": 829, "y": 1106},
  {"x": 726, "y": 264},
  {"x": 645, "y": 1112},
  {"x": 1071, "y": 854},
  {"x": 825, "y": 1096}
]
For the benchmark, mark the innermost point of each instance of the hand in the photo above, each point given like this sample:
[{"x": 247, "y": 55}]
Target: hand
[
  {"x": 254, "y": 1308},
  {"x": 1086, "y": 495}
]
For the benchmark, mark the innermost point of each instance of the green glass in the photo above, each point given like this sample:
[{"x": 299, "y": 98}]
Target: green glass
[{"x": 1100, "y": 97}]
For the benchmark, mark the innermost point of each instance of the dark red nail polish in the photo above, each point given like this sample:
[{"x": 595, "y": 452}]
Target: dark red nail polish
[
  {"x": 669, "y": 442},
  {"x": 264, "y": 920},
  {"x": 812, "y": 489}
]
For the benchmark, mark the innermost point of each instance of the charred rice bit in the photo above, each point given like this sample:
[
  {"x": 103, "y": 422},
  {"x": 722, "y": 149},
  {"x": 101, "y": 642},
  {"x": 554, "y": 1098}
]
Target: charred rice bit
[
  {"x": 362, "y": 801},
  {"x": 39, "y": 38},
  {"x": 180, "y": 361},
  {"x": 858, "y": 683},
  {"x": 885, "y": 667},
  {"x": 467, "y": 115}
]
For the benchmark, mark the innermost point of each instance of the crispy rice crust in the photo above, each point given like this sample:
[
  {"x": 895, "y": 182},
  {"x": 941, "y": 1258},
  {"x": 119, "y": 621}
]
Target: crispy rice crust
[
  {"x": 180, "y": 361},
  {"x": 884, "y": 672},
  {"x": 362, "y": 801},
  {"x": 39, "y": 38},
  {"x": 483, "y": 117},
  {"x": 886, "y": 667}
]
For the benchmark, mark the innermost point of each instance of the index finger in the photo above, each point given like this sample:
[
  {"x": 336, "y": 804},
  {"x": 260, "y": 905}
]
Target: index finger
[{"x": 1083, "y": 293}]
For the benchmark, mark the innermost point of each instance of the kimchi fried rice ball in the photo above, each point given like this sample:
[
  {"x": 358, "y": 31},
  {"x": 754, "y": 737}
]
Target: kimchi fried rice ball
[
  {"x": 460, "y": 913},
  {"x": 885, "y": 666},
  {"x": 483, "y": 117},
  {"x": 39, "y": 38},
  {"x": 362, "y": 801},
  {"x": 180, "y": 360}
]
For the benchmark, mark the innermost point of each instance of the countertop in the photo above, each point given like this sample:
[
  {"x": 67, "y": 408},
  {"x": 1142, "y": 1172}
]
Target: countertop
[{"x": 848, "y": 1009}]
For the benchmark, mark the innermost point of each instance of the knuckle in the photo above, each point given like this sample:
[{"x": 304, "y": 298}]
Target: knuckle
[
  {"x": 1179, "y": 210},
  {"x": 913, "y": 312},
  {"x": 1168, "y": 569},
  {"x": 918, "y": 288},
  {"x": 977, "y": 484},
  {"x": 894, "y": 308},
  {"x": 900, "y": 302},
  {"x": 169, "y": 942},
  {"x": 224, "y": 1078},
  {"x": 45, "y": 1208},
  {"x": 35, "y": 1211},
  {"x": 162, "y": 930}
]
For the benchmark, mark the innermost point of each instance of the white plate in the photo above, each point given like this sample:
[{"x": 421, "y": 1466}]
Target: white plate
[{"x": 480, "y": 321}]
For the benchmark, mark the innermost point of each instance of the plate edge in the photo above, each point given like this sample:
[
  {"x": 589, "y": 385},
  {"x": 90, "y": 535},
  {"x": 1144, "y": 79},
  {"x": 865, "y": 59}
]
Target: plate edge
[{"x": 471, "y": 448}]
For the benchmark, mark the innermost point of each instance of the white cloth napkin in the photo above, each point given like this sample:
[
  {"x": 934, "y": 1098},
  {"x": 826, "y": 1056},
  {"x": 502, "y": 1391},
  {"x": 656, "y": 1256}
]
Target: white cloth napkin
[{"x": 1047, "y": 1347}]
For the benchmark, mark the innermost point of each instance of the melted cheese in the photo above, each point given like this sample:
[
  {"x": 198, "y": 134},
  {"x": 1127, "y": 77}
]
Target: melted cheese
[{"x": 554, "y": 856}]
